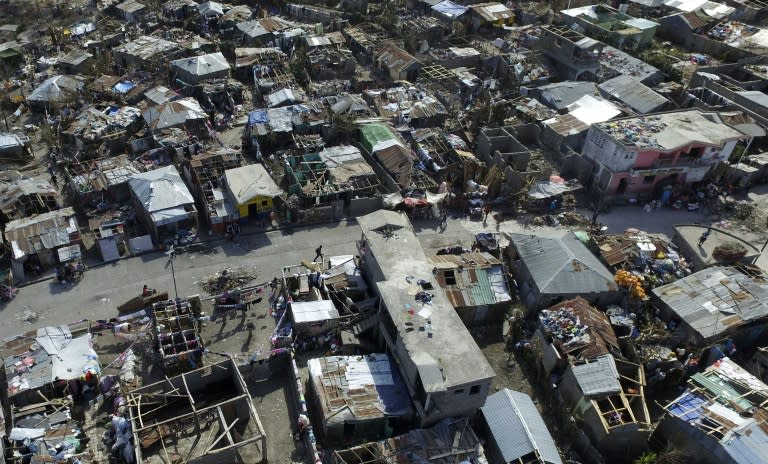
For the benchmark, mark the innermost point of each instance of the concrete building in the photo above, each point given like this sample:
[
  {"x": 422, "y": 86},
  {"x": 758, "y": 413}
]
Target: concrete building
[
  {"x": 554, "y": 268},
  {"x": 734, "y": 86},
  {"x": 251, "y": 190},
  {"x": 643, "y": 155},
  {"x": 446, "y": 373},
  {"x": 574, "y": 56},
  {"x": 611, "y": 26}
]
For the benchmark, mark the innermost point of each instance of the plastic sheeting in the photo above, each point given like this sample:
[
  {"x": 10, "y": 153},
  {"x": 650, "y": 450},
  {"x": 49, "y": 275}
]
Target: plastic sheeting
[
  {"x": 498, "y": 284},
  {"x": 548, "y": 189},
  {"x": 449, "y": 9},
  {"x": 124, "y": 87}
]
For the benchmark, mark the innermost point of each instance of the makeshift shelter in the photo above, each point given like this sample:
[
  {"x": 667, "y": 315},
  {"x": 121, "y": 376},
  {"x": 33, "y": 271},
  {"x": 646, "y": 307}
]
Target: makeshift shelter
[
  {"x": 186, "y": 113},
  {"x": 358, "y": 397},
  {"x": 54, "y": 354},
  {"x": 252, "y": 190},
  {"x": 314, "y": 317},
  {"x": 39, "y": 237},
  {"x": 163, "y": 201},
  {"x": 55, "y": 92}
]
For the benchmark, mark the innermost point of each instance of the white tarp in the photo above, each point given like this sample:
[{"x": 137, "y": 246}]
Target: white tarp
[
  {"x": 53, "y": 339},
  {"x": 391, "y": 200},
  {"x": 75, "y": 359},
  {"x": 498, "y": 284},
  {"x": 313, "y": 311}
]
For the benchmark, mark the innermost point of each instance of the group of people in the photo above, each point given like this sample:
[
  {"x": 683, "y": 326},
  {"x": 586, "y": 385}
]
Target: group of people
[{"x": 69, "y": 272}]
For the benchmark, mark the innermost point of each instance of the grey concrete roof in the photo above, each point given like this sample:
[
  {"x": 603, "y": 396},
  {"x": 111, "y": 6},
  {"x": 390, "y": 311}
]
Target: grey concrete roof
[
  {"x": 716, "y": 299},
  {"x": 517, "y": 427},
  {"x": 562, "y": 265},
  {"x": 449, "y": 357}
]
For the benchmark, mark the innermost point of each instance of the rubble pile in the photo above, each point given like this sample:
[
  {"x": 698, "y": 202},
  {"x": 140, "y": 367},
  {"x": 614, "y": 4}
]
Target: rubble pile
[{"x": 227, "y": 279}]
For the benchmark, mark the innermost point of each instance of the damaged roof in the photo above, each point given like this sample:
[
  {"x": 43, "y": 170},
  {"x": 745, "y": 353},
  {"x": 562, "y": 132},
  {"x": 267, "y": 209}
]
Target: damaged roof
[
  {"x": 633, "y": 93},
  {"x": 471, "y": 279},
  {"x": 600, "y": 338},
  {"x": 395, "y": 58},
  {"x": 42, "y": 232},
  {"x": 359, "y": 387},
  {"x": 716, "y": 300},
  {"x": 174, "y": 113}
]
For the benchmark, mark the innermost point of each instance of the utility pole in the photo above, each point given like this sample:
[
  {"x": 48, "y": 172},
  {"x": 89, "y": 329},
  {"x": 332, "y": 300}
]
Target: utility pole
[{"x": 171, "y": 257}]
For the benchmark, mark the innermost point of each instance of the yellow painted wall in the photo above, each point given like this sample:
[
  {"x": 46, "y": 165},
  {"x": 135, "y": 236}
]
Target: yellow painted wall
[{"x": 263, "y": 204}]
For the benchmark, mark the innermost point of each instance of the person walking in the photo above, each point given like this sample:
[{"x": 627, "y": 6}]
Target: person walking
[
  {"x": 318, "y": 253},
  {"x": 704, "y": 236},
  {"x": 594, "y": 218}
]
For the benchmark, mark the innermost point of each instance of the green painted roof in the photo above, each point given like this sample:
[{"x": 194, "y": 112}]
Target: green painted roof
[
  {"x": 371, "y": 134},
  {"x": 481, "y": 292}
]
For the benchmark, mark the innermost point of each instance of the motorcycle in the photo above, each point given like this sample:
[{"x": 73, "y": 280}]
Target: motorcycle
[{"x": 7, "y": 292}]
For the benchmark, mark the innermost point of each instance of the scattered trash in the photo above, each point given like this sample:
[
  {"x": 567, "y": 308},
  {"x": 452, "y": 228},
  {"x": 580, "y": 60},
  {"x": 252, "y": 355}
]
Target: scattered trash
[{"x": 29, "y": 316}]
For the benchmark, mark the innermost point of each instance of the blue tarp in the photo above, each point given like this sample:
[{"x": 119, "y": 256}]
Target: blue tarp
[
  {"x": 688, "y": 406},
  {"x": 257, "y": 117},
  {"x": 124, "y": 87},
  {"x": 449, "y": 9}
]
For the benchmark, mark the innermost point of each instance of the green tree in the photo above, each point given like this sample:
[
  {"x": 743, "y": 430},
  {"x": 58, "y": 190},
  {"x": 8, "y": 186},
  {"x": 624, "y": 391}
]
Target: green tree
[{"x": 649, "y": 457}]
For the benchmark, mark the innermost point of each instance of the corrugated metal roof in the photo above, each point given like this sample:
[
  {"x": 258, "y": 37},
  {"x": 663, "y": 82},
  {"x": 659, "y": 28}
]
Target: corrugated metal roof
[
  {"x": 517, "y": 427},
  {"x": 352, "y": 387},
  {"x": 561, "y": 264},
  {"x": 472, "y": 285},
  {"x": 715, "y": 300},
  {"x": 749, "y": 443},
  {"x": 395, "y": 58},
  {"x": 633, "y": 93},
  {"x": 597, "y": 378}
]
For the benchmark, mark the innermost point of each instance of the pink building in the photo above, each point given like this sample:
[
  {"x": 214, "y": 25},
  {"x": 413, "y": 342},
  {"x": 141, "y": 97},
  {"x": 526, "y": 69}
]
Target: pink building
[{"x": 639, "y": 156}]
